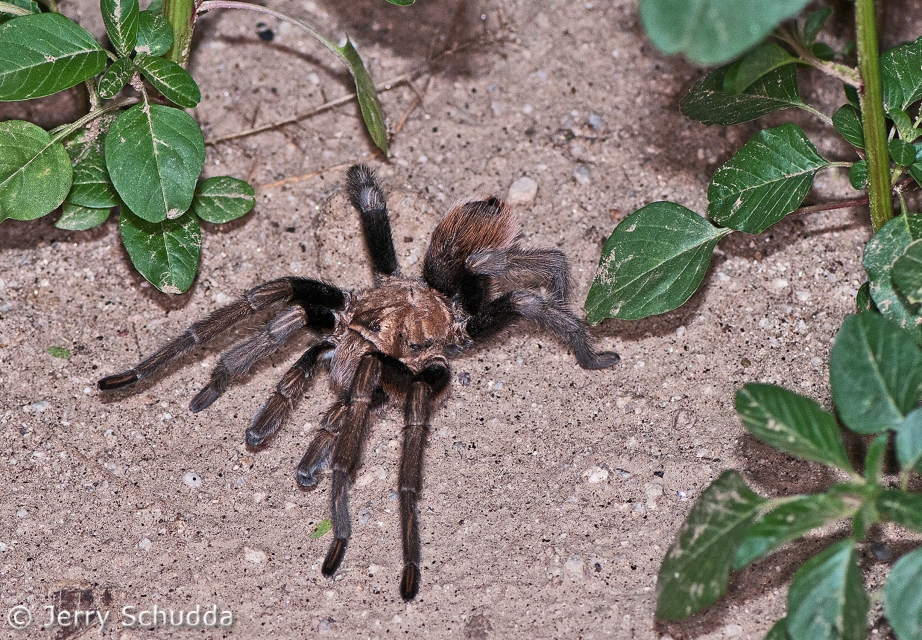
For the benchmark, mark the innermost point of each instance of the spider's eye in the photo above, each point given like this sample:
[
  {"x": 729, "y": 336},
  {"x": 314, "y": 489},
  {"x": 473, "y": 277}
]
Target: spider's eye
[
  {"x": 416, "y": 348},
  {"x": 374, "y": 325}
]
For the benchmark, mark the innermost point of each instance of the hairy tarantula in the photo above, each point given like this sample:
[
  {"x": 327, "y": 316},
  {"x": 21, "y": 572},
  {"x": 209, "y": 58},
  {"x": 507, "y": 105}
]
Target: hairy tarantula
[{"x": 390, "y": 342}]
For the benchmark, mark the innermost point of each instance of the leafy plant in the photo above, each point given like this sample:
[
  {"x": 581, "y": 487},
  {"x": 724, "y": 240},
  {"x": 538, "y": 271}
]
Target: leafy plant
[
  {"x": 657, "y": 257},
  {"x": 136, "y": 149},
  {"x": 875, "y": 372}
]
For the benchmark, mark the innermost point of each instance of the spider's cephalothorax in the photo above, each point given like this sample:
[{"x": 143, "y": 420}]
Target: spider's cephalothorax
[{"x": 388, "y": 343}]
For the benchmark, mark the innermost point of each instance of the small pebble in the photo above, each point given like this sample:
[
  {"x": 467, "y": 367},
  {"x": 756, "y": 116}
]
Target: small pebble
[
  {"x": 22, "y": 513},
  {"x": 145, "y": 544},
  {"x": 256, "y": 556},
  {"x": 325, "y": 626},
  {"x": 595, "y": 475},
  {"x": 36, "y": 407},
  {"x": 192, "y": 479},
  {"x": 522, "y": 191},
  {"x": 595, "y": 121},
  {"x": 2, "y": 547},
  {"x": 582, "y": 174},
  {"x": 464, "y": 378}
]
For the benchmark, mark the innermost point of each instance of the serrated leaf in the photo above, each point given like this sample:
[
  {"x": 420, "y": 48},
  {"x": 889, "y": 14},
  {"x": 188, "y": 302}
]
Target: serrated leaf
[
  {"x": 695, "y": 569},
  {"x": 170, "y": 79},
  {"x": 35, "y": 173},
  {"x": 91, "y": 185},
  {"x": 155, "y": 35},
  {"x": 907, "y": 272},
  {"x": 814, "y": 23},
  {"x": 789, "y": 522},
  {"x": 762, "y": 60},
  {"x": 883, "y": 250},
  {"x": 901, "y": 75},
  {"x": 652, "y": 263},
  {"x": 903, "y": 598},
  {"x": 709, "y": 103},
  {"x": 322, "y": 527},
  {"x": 847, "y": 121},
  {"x": 875, "y": 370},
  {"x": 826, "y": 599},
  {"x": 121, "y": 20},
  {"x": 765, "y": 180},
  {"x": 909, "y": 442},
  {"x": 45, "y": 53},
  {"x": 901, "y": 507},
  {"x": 222, "y": 199},
  {"x": 858, "y": 174},
  {"x": 167, "y": 253},
  {"x": 367, "y": 96},
  {"x": 115, "y": 78},
  {"x": 154, "y": 155},
  {"x": 711, "y": 32},
  {"x": 902, "y": 152},
  {"x": 792, "y": 423},
  {"x": 77, "y": 218}
]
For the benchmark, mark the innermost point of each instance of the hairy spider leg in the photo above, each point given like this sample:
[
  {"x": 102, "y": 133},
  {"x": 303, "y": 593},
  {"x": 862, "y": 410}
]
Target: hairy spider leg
[
  {"x": 317, "y": 456},
  {"x": 520, "y": 266},
  {"x": 252, "y": 302},
  {"x": 563, "y": 325},
  {"x": 274, "y": 334},
  {"x": 285, "y": 396},
  {"x": 367, "y": 196},
  {"x": 347, "y": 454},
  {"x": 427, "y": 385}
]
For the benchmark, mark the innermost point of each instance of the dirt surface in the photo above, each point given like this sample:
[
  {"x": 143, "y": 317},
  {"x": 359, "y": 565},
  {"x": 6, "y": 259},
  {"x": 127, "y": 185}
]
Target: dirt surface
[{"x": 551, "y": 493}]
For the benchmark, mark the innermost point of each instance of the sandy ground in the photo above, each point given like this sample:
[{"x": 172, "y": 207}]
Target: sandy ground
[{"x": 551, "y": 493}]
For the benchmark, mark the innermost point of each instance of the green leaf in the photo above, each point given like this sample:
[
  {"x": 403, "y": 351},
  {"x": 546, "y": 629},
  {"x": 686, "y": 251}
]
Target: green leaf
[
  {"x": 902, "y": 152},
  {"x": 322, "y": 527},
  {"x": 170, "y": 79},
  {"x": 847, "y": 121},
  {"x": 711, "y": 32},
  {"x": 694, "y": 571},
  {"x": 904, "y": 125},
  {"x": 789, "y": 522},
  {"x": 155, "y": 6},
  {"x": 858, "y": 174},
  {"x": 863, "y": 301},
  {"x": 222, "y": 199},
  {"x": 121, "y": 20},
  {"x": 792, "y": 423},
  {"x": 779, "y": 630},
  {"x": 874, "y": 460},
  {"x": 402, "y": 3},
  {"x": 367, "y": 96},
  {"x": 28, "y": 6},
  {"x": 826, "y": 599},
  {"x": 77, "y": 218},
  {"x": 35, "y": 173},
  {"x": 903, "y": 598},
  {"x": 814, "y": 23},
  {"x": 901, "y": 507},
  {"x": 823, "y": 51},
  {"x": 907, "y": 272},
  {"x": 875, "y": 371},
  {"x": 116, "y": 76},
  {"x": 887, "y": 245},
  {"x": 59, "y": 352},
  {"x": 909, "y": 442},
  {"x": 167, "y": 253},
  {"x": 155, "y": 35},
  {"x": 45, "y": 53},
  {"x": 652, "y": 263},
  {"x": 901, "y": 75},
  {"x": 851, "y": 94},
  {"x": 154, "y": 155},
  {"x": 765, "y": 180},
  {"x": 709, "y": 103},
  {"x": 91, "y": 185},
  {"x": 762, "y": 60}
]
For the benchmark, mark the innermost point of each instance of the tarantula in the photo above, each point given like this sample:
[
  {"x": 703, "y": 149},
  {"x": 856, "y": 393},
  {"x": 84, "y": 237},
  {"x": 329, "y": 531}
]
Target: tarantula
[{"x": 387, "y": 343}]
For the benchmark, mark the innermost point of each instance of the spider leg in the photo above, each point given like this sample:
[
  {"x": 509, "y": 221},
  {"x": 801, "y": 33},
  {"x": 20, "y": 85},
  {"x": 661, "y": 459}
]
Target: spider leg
[
  {"x": 347, "y": 453},
  {"x": 239, "y": 359},
  {"x": 429, "y": 383},
  {"x": 546, "y": 266},
  {"x": 286, "y": 394},
  {"x": 317, "y": 456},
  {"x": 565, "y": 326},
  {"x": 252, "y": 302},
  {"x": 367, "y": 197}
]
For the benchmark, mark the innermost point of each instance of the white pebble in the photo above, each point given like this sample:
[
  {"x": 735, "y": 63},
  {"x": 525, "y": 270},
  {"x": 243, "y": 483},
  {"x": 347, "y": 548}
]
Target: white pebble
[
  {"x": 256, "y": 556},
  {"x": 582, "y": 174},
  {"x": 22, "y": 513},
  {"x": 780, "y": 283},
  {"x": 192, "y": 479},
  {"x": 145, "y": 544},
  {"x": 522, "y": 191},
  {"x": 2, "y": 547},
  {"x": 595, "y": 475}
]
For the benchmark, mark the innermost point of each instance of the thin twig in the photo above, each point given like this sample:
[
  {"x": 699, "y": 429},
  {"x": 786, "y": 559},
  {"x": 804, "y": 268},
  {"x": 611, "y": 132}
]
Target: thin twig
[{"x": 830, "y": 206}]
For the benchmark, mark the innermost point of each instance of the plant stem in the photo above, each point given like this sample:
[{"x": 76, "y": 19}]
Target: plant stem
[
  {"x": 872, "y": 112},
  {"x": 846, "y": 74},
  {"x": 181, "y": 15},
  {"x": 12, "y": 9},
  {"x": 64, "y": 131}
]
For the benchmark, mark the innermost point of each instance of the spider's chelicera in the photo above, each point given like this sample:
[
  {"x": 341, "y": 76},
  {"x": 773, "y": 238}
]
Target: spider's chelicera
[{"x": 389, "y": 343}]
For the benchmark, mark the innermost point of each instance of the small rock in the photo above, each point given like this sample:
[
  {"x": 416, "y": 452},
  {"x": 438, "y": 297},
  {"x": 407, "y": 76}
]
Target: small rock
[
  {"x": 256, "y": 556},
  {"x": 733, "y": 631},
  {"x": 780, "y": 283},
  {"x": 36, "y": 407},
  {"x": 582, "y": 174},
  {"x": 595, "y": 121},
  {"x": 145, "y": 544},
  {"x": 522, "y": 191},
  {"x": 222, "y": 298},
  {"x": 654, "y": 492},
  {"x": 325, "y": 626},
  {"x": 192, "y": 479},
  {"x": 595, "y": 475},
  {"x": 22, "y": 513},
  {"x": 575, "y": 568},
  {"x": 499, "y": 108},
  {"x": 2, "y": 547},
  {"x": 259, "y": 497}
]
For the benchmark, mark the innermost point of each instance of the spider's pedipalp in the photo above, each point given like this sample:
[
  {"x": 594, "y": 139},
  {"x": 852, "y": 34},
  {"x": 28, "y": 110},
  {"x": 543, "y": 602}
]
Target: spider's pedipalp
[
  {"x": 367, "y": 197},
  {"x": 285, "y": 396}
]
